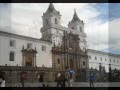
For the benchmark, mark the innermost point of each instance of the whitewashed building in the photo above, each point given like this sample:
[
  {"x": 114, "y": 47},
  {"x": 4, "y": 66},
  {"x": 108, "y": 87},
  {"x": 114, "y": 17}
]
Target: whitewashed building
[
  {"x": 105, "y": 59},
  {"x": 12, "y": 45}
]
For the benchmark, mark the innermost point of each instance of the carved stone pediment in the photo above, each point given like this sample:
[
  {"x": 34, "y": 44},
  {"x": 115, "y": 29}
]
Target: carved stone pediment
[{"x": 29, "y": 50}]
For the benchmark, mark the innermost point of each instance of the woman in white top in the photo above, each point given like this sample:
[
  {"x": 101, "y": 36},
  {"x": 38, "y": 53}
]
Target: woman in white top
[{"x": 3, "y": 82}]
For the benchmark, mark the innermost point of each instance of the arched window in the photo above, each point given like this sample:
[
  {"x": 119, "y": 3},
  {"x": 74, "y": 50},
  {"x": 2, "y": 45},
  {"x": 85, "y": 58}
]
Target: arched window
[
  {"x": 46, "y": 21},
  {"x": 56, "y": 22},
  {"x": 58, "y": 61},
  {"x": 72, "y": 27},
  {"x": 12, "y": 56},
  {"x": 80, "y": 29}
]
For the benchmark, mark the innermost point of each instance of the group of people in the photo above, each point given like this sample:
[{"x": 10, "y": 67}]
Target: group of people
[
  {"x": 2, "y": 82},
  {"x": 65, "y": 79}
]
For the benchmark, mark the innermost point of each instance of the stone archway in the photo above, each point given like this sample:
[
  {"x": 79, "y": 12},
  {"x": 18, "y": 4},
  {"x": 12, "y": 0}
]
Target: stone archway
[{"x": 29, "y": 57}]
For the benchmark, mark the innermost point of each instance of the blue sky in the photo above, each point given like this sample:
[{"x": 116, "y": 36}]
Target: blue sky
[
  {"x": 114, "y": 10},
  {"x": 101, "y": 21},
  {"x": 103, "y": 9}
]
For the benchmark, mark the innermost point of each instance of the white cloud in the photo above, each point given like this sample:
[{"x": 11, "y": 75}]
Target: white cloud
[
  {"x": 97, "y": 35},
  {"x": 114, "y": 35},
  {"x": 26, "y": 19}
]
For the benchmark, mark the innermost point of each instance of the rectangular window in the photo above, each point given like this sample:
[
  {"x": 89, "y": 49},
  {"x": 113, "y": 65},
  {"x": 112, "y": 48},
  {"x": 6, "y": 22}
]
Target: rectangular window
[
  {"x": 83, "y": 63},
  {"x": 101, "y": 58},
  {"x": 12, "y": 43},
  {"x": 117, "y": 61},
  {"x": 105, "y": 59},
  {"x": 43, "y": 48},
  {"x": 110, "y": 60},
  {"x": 95, "y": 58},
  {"x": 29, "y": 45},
  {"x": 11, "y": 56}
]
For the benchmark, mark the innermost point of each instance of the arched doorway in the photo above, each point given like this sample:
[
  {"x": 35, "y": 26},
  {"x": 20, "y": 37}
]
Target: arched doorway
[
  {"x": 28, "y": 61},
  {"x": 29, "y": 57}
]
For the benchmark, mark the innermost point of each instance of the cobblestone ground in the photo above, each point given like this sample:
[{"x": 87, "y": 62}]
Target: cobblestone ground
[{"x": 75, "y": 84}]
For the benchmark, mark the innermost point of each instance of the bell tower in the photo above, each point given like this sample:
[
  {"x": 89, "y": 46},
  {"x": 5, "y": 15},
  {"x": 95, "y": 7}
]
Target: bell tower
[
  {"x": 77, "y": 25},
  {"x": 51, "y": 18}
]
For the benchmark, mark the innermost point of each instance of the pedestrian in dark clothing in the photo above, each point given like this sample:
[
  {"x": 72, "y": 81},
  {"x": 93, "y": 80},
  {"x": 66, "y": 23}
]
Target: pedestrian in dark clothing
[
  {"x": 41, "y": 79},
  {"x": 63, "y": 79},
  {"x": 43, "y": 85},
  {"x": 91, "y": 78},
  {"x": 47, "y": 85}
]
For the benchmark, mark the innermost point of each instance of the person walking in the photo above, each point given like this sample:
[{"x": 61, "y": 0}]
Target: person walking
[
  {"x": 3, "y": 82},
  {"x": 41, "y": 79},
  {"x": 91, "y": 78},
  {"x": 0, "y": 81},
  {"x": 59, "y": 79},
  {"x": 63, "y": 79},
  {"x": 70, "y": 77}
]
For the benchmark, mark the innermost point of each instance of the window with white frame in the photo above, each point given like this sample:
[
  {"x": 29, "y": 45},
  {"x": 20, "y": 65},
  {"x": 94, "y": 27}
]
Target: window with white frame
[
  {"x": 101, "y": 58},
  {"x": 43, "y": 48},
  {"x": 110, "y": 60},
  {"x": 12, "y": 56},
  {"x": 95, "y": 58},
  {"x": 117, "y": 61},
  {"x": 12, "y": 43},
  {"x": 105, "y": 59},
  {"x": 114, "y": 60}
]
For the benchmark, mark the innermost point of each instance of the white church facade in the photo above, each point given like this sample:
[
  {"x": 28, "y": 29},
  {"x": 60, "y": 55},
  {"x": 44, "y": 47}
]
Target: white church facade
[{"x": 18, "y": 50}]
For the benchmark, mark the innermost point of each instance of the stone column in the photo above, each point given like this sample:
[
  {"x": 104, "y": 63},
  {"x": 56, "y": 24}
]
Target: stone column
[
  {"x": 24, "y": 60},
  {"x": 35, "y": 60}
]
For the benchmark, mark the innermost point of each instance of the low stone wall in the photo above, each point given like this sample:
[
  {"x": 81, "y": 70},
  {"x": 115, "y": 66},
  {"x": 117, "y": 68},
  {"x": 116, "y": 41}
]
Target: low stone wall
[{"x": 12, "y": 73}]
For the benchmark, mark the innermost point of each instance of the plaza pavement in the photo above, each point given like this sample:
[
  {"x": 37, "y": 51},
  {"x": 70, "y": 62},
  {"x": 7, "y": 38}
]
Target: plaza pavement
[{"x": 75, "y": 84}]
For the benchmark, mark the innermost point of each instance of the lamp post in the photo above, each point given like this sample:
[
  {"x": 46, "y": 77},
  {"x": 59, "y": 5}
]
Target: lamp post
[{"x": 109, "y": 72}]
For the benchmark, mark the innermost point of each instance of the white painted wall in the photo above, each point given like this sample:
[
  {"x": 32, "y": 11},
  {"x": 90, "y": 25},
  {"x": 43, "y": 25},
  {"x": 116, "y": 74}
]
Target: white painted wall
[
  {"x": 95, "y": 63},
  {"x": 42, "y": 57}
]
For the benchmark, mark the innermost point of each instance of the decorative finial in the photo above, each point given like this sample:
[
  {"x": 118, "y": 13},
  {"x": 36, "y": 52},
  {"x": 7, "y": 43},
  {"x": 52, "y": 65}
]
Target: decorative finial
[
  {"x": 75, "y": 16},
  {"x": 51, "y": 7},
  {"x": 74, "y": 10}
]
